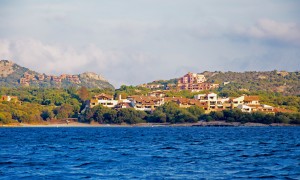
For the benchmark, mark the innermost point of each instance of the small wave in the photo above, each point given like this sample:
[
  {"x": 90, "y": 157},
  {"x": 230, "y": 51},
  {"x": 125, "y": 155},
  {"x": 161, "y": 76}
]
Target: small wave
[
  {"x": 91, "y": 147},
  {"x": 238, "y": 150},
  {"x": 126, "y": 154},
  {"x": 158, "y": 157},
  {"x": 35, "y": 164},
  {"x": 73, "y": 147},
  {"x": 244, "y": 156},
  {"x": 110, "y": 161},
  {"x": 263, "y": 155},
  {"x": 84, "y": 164},
  {"x": 266, "y": 177},
  {"x": 6, "y": 163},
  {"x": 263, "y": 143},
  {"x": 169, "y": 148}
]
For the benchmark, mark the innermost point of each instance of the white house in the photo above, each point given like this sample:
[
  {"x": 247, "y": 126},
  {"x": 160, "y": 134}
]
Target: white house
[
  {"x": 103, "y": 99},
  {"x": 244, "y": 108},
  {"x": 211, "y": 99},
  {"x": 237, "y": 101},
  {"x": 266, "y": 108}
]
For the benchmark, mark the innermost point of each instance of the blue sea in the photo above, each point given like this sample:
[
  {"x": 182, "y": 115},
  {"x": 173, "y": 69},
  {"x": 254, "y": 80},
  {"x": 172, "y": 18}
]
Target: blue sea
[{"x": 150, "y": 153}]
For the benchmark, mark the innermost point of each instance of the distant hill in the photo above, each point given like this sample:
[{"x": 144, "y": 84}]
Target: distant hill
[
  {"x": 13, "y": 75},
  {"x": 287, "y": 83}
]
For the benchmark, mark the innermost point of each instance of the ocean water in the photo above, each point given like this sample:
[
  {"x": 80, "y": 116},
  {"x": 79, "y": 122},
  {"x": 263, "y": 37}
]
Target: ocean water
[{"x": 150, "y": 153}]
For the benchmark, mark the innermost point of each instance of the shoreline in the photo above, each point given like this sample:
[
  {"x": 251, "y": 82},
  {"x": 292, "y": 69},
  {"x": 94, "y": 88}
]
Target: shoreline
[{"x": 199, "y": 124}]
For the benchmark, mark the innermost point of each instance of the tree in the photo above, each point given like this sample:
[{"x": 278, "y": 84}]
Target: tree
[
  {"x": 185, "y": 116},
  {"x": 157, "y": 117},
  {"x": 64, "y": 111},
  {"x": 171, "y": 110},
  {"x": 46, "y": 114},
  {"x": 196, "y": 111},
  {"x": 98, "y": 113},
  {"x": 88, "y": 115},
  {"x": 131, "y": 116},
  {"x": 111, "y": 117},
  {"x": 5, "y": 117},
  {"x": 175, "y": 114},
  {"x": 217, "y": 115},
  {"x": 269, "y": 119},
  {"x": 83, "y": 93}
]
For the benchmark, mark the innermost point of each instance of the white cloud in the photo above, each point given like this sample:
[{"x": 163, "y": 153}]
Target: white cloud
[
  {"x": 53, "y": 58},
  {"x": 267, "y": 29},
  {"x": 118, "y": 67}
]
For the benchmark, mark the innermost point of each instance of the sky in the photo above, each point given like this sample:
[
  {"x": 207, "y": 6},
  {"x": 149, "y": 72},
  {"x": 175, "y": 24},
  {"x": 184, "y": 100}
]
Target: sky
[{"x": 137, "y": 41}]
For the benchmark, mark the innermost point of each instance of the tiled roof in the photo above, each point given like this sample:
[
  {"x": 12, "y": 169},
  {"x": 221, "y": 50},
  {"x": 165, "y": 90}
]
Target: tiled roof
[
  {"x": 251, "y": 98},
  {"x": 104, "y": 95},
  {"x": 282, "y": 110}
]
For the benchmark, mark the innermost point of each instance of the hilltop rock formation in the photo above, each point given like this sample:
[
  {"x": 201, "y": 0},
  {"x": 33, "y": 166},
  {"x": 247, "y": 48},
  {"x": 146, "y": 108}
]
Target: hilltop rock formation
[
  {"x": 13, "y": 75},
  {"x": 91, "y": 75},
  {"x": 6, "y": 68}
]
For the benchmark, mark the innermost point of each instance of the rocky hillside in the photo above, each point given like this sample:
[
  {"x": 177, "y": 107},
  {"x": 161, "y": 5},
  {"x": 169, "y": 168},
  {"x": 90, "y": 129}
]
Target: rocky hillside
[
  {"x": 287, "y": 83},
  {"x": 13, "y": 75}
]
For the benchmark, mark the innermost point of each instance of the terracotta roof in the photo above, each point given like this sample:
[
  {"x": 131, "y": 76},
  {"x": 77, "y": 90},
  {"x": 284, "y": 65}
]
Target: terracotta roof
[
  {"x": 254, "y": 105},
  {"x": 282, "y": 110},
  {"x": 144, "y": 98},
  {"x": 127, "y": 105},
  {"x": 169, "y": 99},
  {"x": 251, "y": 98},
  {"x": 104, "y": 95}
]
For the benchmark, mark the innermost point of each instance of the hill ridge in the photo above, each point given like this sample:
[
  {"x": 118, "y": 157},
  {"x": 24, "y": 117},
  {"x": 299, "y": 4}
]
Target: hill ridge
[
  {"x": 287, "y": 83},
  {"x": 14, "y": 75}
]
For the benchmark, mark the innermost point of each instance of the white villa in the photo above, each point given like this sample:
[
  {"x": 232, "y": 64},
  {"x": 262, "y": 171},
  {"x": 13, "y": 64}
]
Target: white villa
[
  {"x": 244, "y": 108},
  {"x": 103, "y": 99}
]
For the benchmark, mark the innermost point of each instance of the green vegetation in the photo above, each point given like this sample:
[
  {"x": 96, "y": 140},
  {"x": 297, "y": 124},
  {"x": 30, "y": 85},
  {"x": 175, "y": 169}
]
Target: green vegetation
[
  {"x": 171, "y": 113},
  {"x": 271, "y": 98},
  {"x": 286, "y": 83},
  {"x": 39, "y": 104},
  {"x": 236, "y": 115},
  {"x": 174, "y": 114},
  {"x": 27, "y": 113},
  {"x": 106, "y": 115},
  {"x": 165, "y": 82},
  {"x": 167, "y": 113},
  {"x": 44, "y": 96},
  {"x": 43, "y": 104},
  {"x": 125, "y": 91}
]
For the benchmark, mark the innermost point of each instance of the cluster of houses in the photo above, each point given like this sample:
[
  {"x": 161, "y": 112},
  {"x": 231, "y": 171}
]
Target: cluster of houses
[
  {"x": 195, "y": 83},
  {"x": 209, "y": 102},
  {"x": 28, "y": 77},
  {"x": 191, "y": 81}
]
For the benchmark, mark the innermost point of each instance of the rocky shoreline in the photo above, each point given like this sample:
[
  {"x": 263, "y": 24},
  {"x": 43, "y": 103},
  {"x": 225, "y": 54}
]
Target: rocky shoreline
[{"x": 199, "y": 124}]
